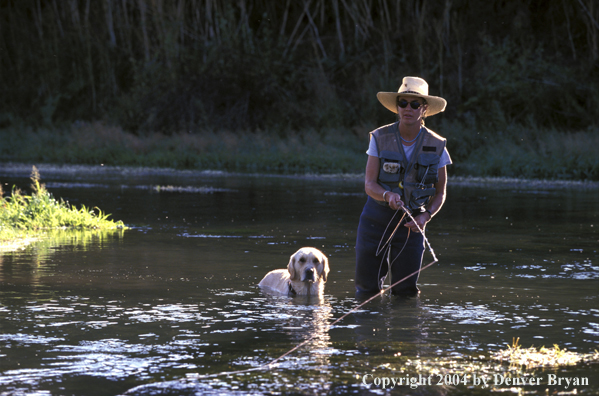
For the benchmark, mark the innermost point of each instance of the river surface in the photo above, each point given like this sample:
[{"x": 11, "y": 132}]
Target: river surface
[{"x": 171, "y": 306}]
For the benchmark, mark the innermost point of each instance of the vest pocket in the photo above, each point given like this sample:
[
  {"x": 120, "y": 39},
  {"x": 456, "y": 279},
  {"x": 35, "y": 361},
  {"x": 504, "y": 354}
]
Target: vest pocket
[
  {"x": 427, "y": 167},
  {"x": 420, "y": 197},
  {"x": 391, "y": 170}
]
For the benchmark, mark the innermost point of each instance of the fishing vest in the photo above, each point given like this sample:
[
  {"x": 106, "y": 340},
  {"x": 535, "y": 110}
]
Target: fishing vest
[{"x": 413, "y": 178}]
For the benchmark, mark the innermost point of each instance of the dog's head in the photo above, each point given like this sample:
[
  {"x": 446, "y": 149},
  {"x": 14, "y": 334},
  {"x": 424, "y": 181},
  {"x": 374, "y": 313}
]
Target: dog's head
[{"x": 308, "y": 265}]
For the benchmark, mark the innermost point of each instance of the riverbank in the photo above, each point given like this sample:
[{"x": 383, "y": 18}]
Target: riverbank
[
  {"x": 515, "y": 152},
  {"x": 80, "y": 172}
]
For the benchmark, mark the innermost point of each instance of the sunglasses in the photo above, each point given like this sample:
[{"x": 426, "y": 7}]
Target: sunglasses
[{"x": 413, "y": 104}]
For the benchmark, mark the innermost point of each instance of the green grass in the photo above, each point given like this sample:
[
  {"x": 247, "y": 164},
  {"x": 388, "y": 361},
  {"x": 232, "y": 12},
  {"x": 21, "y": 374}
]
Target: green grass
[
  {"x": 333, "y": 151},
  {"x": 515, "y": 151},
  {"x": 24, "y": 217}
]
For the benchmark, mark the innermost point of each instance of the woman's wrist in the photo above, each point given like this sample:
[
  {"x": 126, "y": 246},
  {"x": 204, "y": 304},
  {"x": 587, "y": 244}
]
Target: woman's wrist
[{"x": 384, "y": 195}]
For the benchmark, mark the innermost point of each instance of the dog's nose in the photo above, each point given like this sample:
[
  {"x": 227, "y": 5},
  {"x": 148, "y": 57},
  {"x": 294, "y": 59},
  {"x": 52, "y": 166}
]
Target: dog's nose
[{"x": 309, "y": 275}]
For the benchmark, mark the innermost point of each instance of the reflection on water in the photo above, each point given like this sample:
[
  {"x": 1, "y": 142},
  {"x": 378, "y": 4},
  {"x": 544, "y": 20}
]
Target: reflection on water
[
  {"x": 162, "y": 307},
  {"x": 39, "y": 263}
]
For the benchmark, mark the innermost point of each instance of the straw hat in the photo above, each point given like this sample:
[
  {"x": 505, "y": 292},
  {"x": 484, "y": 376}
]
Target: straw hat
[{"x": 414, "y": 87}]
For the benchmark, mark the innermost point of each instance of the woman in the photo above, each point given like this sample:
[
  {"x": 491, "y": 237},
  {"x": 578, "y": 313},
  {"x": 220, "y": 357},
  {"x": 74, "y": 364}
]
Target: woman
[{"x": 405, "y": 168}]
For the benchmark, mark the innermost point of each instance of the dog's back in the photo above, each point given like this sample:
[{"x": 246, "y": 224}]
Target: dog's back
[{"x": 277, "y": 280}]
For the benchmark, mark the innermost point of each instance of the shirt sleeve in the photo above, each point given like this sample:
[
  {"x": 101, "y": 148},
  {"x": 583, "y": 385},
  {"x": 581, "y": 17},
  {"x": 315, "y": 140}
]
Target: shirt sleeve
[
  {"x": 445, "y": 159},
  {"x": 372, "y": 149}
]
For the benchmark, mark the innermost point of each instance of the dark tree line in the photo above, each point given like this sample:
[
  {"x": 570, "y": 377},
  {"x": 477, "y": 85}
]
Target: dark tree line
[{"x": 184, "y": 65}]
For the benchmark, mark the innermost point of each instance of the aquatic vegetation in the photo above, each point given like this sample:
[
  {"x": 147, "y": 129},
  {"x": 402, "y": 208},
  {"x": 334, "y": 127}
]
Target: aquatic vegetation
[
  {"x": 27, "y": 217},
  {"x": 542, "y": 357}
]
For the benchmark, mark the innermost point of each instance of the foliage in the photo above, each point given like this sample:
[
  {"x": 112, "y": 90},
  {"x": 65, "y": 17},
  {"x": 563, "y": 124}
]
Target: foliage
[
  {"x": 180, "y": 66},
  {"x": 26, "y": 215}
]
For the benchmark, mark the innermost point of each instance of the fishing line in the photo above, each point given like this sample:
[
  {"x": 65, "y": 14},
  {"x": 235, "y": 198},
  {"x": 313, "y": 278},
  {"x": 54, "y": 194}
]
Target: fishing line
[
  {"x": 387, "y": 246},
  {"x": 379, "y": 249},
  {"x": 274, "y": 362}
]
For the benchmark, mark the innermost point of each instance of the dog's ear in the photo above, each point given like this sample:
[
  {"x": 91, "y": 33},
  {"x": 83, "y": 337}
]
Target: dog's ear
[
  {"x": 291, "y": 266},
  {"x": 326, "y": 269}
]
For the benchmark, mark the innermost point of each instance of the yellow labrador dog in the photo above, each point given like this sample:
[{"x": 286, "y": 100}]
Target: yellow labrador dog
[{"x": 305, "y": 275}]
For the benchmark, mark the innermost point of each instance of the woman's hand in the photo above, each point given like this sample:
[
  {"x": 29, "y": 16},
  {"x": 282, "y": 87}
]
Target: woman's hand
[
  {"x": 394, "y": 200},
  {"x": 374, "y": 190},
  {"x": 421, "y": 219}
]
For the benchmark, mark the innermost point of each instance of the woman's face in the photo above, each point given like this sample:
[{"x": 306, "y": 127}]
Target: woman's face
[{"x": 407, "y": 114}]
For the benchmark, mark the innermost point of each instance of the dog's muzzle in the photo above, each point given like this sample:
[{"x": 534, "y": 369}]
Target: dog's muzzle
[{"x": 309, "y": 275}]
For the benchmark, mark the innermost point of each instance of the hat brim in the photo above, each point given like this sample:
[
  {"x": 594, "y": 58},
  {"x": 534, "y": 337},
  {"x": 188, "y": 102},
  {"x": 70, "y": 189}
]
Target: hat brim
[{"x": 435, "y": 104}]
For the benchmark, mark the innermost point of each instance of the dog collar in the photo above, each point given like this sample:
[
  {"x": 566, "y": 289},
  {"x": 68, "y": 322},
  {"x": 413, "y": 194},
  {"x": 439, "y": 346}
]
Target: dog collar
[{"x": 291, "y": 291}]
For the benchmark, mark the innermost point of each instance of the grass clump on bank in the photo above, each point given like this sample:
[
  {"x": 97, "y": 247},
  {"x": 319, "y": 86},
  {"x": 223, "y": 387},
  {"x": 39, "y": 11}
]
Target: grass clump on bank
[{"x": 30, "y": 216}]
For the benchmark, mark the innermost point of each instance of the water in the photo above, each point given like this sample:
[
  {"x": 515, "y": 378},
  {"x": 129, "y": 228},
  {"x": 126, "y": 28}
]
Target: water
[{"x": 167, "y": 306}]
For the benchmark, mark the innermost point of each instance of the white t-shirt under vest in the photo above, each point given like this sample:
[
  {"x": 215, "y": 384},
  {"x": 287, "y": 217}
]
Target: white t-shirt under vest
[{"x": 373, "y": 151}]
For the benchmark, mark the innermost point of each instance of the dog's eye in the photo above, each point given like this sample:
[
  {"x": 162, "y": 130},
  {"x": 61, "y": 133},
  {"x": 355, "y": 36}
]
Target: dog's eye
[
  {"x": 302, "y": 260},
  {"x": 315, "y": 261}
]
